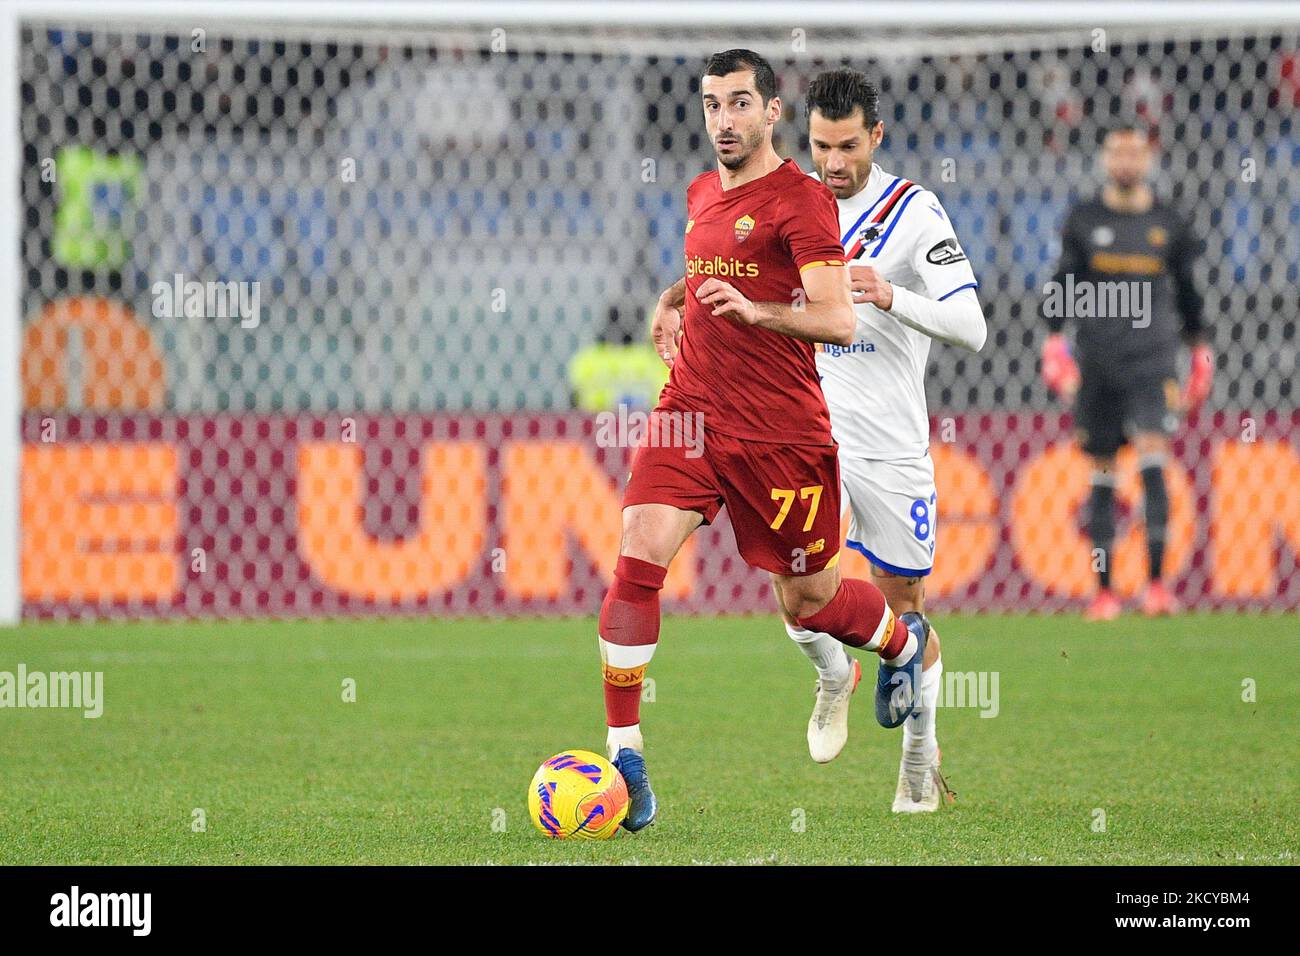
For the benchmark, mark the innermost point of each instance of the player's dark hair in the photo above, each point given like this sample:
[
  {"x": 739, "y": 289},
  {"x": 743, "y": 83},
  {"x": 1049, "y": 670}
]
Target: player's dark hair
[
  {"x": 1128, "y": 125},
  {"x": 837, "y": 93},
  {"x": 729, "y": 61},
  {"x": 1125, "y": 126}
]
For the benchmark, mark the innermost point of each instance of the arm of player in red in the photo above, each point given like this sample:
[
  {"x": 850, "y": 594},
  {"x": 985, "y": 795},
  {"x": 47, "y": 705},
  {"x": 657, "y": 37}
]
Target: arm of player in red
[
  {"x": 666, "y": 326},
  {"x": 826, "y": 315},
  {"x": 1060, "y": 371},
  {"x": 1197, "y": 388}
]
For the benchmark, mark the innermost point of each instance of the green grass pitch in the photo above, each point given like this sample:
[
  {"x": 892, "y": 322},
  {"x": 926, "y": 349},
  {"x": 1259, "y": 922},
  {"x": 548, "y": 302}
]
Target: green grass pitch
[{"x": 1141, "y": 720}]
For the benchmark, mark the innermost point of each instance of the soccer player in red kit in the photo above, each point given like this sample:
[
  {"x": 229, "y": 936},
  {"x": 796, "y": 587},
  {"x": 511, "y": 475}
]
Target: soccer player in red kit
[{"x": 765, "y": 279}]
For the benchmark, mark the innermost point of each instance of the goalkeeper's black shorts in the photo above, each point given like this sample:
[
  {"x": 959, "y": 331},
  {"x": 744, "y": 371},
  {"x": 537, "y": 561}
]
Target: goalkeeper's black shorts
[{"x": 1111, "y": 407}]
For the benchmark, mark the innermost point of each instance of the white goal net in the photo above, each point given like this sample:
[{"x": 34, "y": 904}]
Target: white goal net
[{"x": 241, "y": 239}]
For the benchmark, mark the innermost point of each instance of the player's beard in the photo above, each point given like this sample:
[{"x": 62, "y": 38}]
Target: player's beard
[
  {"x": 1127, "y": 180},
  {"x": 855, "y": 181},
  {"x": 749, "y": 143}
]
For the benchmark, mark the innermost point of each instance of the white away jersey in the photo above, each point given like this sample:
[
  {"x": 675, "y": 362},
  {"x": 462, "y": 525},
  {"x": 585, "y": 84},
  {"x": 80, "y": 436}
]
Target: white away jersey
[{"x": 875, "y": 388}]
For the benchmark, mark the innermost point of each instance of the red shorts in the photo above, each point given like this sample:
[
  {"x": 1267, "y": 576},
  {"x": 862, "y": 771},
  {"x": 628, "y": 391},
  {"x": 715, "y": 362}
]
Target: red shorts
[{"x": 783, "y": 500}]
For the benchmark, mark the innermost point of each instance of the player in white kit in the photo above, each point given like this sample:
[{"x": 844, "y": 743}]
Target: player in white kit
[{"x": 912, "y": 283}]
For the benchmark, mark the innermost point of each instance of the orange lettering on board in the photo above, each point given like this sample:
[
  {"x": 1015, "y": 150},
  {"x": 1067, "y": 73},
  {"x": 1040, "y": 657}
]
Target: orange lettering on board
[
  {"x": 1254, "y": 502},
  {"x": 99, "y": 522},
  {"x": 553, "y": 491},
  {"x": 1046, "y": 533},
  {"x": 122, "y": 365},
  {"x": 967, "y": 526},
  {"x": 331, "y": 490}
]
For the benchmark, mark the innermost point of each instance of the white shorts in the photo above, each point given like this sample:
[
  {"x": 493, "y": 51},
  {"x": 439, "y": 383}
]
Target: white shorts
[{"x": 891, "y": 512}]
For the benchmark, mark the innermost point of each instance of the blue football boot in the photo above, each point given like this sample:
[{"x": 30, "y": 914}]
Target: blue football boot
[
  {"x": 641, "y": 805},
  {"x": 898, "y": 688}
]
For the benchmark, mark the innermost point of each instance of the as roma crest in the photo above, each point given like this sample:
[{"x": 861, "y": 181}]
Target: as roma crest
[{"x": 744, "y": 226}]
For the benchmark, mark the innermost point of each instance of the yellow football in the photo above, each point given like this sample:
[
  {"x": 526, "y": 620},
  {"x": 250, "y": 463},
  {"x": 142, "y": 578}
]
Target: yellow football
[{"x": 577, "y": 794}]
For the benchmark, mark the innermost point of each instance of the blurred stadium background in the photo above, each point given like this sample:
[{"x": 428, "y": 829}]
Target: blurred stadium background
[{"x": 457, "y": 230}]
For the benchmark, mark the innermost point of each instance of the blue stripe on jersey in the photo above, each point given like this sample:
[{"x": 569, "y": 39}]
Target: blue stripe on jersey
[
  {"x": 854, "y": 228},
  {"x": 968, "y": 285},
  {"x": 859, "y": 547},
  {"x": 897, "y": 216}
]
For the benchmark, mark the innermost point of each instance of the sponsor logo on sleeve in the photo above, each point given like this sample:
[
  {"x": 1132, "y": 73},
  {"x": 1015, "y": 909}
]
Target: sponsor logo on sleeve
[{"x": 945, "y": 252}]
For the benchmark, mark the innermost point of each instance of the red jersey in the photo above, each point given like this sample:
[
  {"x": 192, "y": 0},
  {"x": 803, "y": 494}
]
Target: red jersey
[{"x": 749, "y": 382}]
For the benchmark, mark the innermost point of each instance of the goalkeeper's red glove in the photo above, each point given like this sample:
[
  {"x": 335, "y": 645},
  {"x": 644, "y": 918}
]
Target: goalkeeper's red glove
[
  {"x": 1060, "y": 372},
  {"x": 1197, "y": 389}
]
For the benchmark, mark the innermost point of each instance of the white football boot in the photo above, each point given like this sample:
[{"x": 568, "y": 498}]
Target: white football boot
[
  {"x": 921, "y": 787},
  {"x": 828, "y": 728}
]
